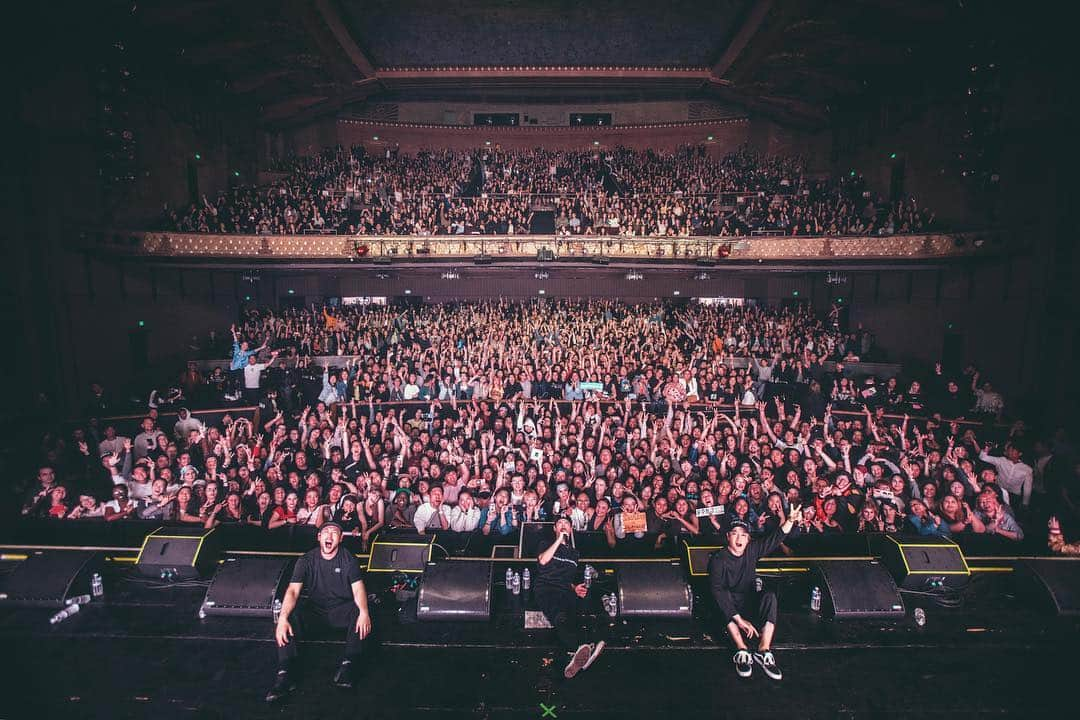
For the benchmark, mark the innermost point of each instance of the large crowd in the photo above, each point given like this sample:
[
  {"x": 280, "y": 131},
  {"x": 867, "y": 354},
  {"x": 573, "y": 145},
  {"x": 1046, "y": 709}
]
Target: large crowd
[
  {"x": 489, "y": 190},
  {"x": 477, "y": 418}
]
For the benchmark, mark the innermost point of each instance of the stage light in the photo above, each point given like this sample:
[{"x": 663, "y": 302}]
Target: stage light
[
  {"x": 142, "y": 323},
  {"x": 676, "y": 293},
  {"x": 247, "y": 297},
  {"x": 795, "y": 293},
  {"x": 541, "y": 292},
  {"x": 709, "y": 138},
  {"x": 852, "y": 173},
  {"x": 408, "y": 292},
  {"x": 374, "y": 137},
  {"x": 291, "y": 291},
  {"x": 892, "y": 156},
  {"x": 236, "y": 173}
]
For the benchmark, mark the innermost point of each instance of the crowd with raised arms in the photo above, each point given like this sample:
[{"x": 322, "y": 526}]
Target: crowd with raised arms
[
  {"x": 589, "y": 410},
  {"x": 493, "y": 191}
]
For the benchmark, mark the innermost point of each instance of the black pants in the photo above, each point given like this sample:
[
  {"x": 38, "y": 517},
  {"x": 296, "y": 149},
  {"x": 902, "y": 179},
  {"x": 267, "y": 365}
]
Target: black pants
[
  {"x": 307, "y": 617},
  {"x": 761, "y": 606},
  {"x": 562, "y": 610}
]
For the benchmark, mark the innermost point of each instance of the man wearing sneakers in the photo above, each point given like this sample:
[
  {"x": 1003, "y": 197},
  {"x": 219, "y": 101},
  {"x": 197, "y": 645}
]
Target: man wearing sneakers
[
  {"x": 336, "y": 599},
  {"x": 732, "y": 574},
  {"x": 557, "y": 590}
]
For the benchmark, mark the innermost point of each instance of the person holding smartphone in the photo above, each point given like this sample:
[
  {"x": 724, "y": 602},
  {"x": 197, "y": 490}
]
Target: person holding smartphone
[{"x": 558, "y": 590}]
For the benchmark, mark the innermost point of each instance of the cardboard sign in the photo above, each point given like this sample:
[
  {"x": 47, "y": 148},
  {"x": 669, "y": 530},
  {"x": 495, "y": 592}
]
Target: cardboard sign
[
  {"x": 633, "y": 522},
  {"x": 707, "y": 511}
]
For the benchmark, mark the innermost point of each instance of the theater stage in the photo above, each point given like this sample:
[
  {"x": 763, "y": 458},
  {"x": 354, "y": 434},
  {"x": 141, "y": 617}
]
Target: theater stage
[{"x": 144, "y": 652}]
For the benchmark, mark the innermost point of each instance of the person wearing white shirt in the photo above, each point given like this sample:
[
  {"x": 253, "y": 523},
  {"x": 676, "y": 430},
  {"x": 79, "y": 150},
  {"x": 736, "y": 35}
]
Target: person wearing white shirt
[
  {"x": 411, "y": 390},
  {"x": 1013, "y": 475},
  {"x": 252, "y": 374},
  {"x": 432, "y": 515},
  {"x": 466, "y": 516}
]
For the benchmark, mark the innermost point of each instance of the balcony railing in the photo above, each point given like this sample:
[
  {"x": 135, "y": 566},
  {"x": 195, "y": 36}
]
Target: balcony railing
[{"x": 521, "y": 247}]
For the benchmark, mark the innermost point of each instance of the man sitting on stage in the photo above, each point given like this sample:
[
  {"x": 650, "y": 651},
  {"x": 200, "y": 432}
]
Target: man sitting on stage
[
  {"x": 336, "y": 598},
  {"x": 732, "y": 574},
  {"x": 557, "y": 590}
]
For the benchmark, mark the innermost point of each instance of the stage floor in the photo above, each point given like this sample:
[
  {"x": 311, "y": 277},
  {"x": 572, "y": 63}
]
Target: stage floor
[{"x": 145, "y": 654}]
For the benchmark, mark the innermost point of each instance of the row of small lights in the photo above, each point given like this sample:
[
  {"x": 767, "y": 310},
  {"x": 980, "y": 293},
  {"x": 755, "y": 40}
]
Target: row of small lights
[
  {"x": 543, "y": 68},
  {"x": 544, "y": 128}
]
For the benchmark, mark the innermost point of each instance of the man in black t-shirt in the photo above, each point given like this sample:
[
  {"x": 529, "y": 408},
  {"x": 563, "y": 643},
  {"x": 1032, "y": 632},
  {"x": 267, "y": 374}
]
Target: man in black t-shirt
[
  {"x": 557, "y": 590},
  {"x": 336, "y": 598},
  {"x": 732, "y": 576}
]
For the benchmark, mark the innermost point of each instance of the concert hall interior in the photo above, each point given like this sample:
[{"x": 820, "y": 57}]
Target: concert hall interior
[{"x": 538, "y": 359}]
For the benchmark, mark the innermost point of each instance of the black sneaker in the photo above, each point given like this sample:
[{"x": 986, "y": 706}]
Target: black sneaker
[
  {"x": 744, "y": 663},
  {"x": 768, "y": 664},
  {"x": 283, "y": 685},
  {"x": 343, "y": 678}
]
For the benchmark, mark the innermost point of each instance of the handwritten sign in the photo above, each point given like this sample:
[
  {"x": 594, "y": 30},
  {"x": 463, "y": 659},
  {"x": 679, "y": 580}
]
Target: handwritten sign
[{"x": 633, "y": 522}]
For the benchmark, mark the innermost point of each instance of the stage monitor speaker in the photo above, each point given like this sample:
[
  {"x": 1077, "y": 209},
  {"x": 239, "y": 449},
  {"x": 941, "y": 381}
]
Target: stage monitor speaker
[
  {"x": 860, "y": 589},
  {"x": 248, "y": 586},
  {"x": 924, "y": 563},
  {"x": 654, "y": 589},
  {"x": 697, "y": 558},
  {"x": 456, "y": 590},
  {"x": 49, "y": 578},
  {"x": 184, "y": 552},
  {"x": 1060, "y": 577},
  {"x": 407, "y": 557}
]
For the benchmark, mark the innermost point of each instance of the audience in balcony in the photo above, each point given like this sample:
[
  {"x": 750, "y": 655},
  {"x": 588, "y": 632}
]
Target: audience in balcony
[{"x": 492, "y": 191}]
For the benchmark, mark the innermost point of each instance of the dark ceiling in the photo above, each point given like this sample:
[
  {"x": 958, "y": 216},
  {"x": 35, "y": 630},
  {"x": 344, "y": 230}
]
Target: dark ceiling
[
  {"x": 793, "y": 60},
  {"x": 419, "y": 33}
]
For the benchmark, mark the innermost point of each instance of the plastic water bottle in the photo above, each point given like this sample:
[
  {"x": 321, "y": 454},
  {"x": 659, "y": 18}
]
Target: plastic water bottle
[
  {"x": 815, "y": 599},
  {"x": 757, "y": 583},
  {"x": 97, "y": 589},
  {"x": 277, "y": 610},
  {"x": 590, "y": 573},
  {"x": 78, "y": 600},
  {"x": 509, "y": 577},
  {"x": 202, "y": 611},
  {"x": 920, "y": 617},
  {"x": 516, "y": 584},
  {"x": 611, "y": 604},
  {"x": 64, "y": 614},
  {"x": 526, "y": 579}
]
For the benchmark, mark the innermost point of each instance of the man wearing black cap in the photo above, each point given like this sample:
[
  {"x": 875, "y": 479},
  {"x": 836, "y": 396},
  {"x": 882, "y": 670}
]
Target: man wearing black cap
[
  {"x": 557, "y": 590},
  {"x": 336, "y": 598},
  {"x": 732, "y": 573}
]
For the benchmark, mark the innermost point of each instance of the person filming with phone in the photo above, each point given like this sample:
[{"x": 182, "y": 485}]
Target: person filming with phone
[{"x": 558, "y": 591}]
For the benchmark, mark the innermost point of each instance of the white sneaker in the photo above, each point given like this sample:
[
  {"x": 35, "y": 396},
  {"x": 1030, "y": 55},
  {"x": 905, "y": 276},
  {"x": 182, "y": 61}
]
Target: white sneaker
[
  {"x": 744, "y": 663},
  {"x": 596, "y": 650},
  {"x": 768, "y": 664},
  {"x": 577, "y": 662}
]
